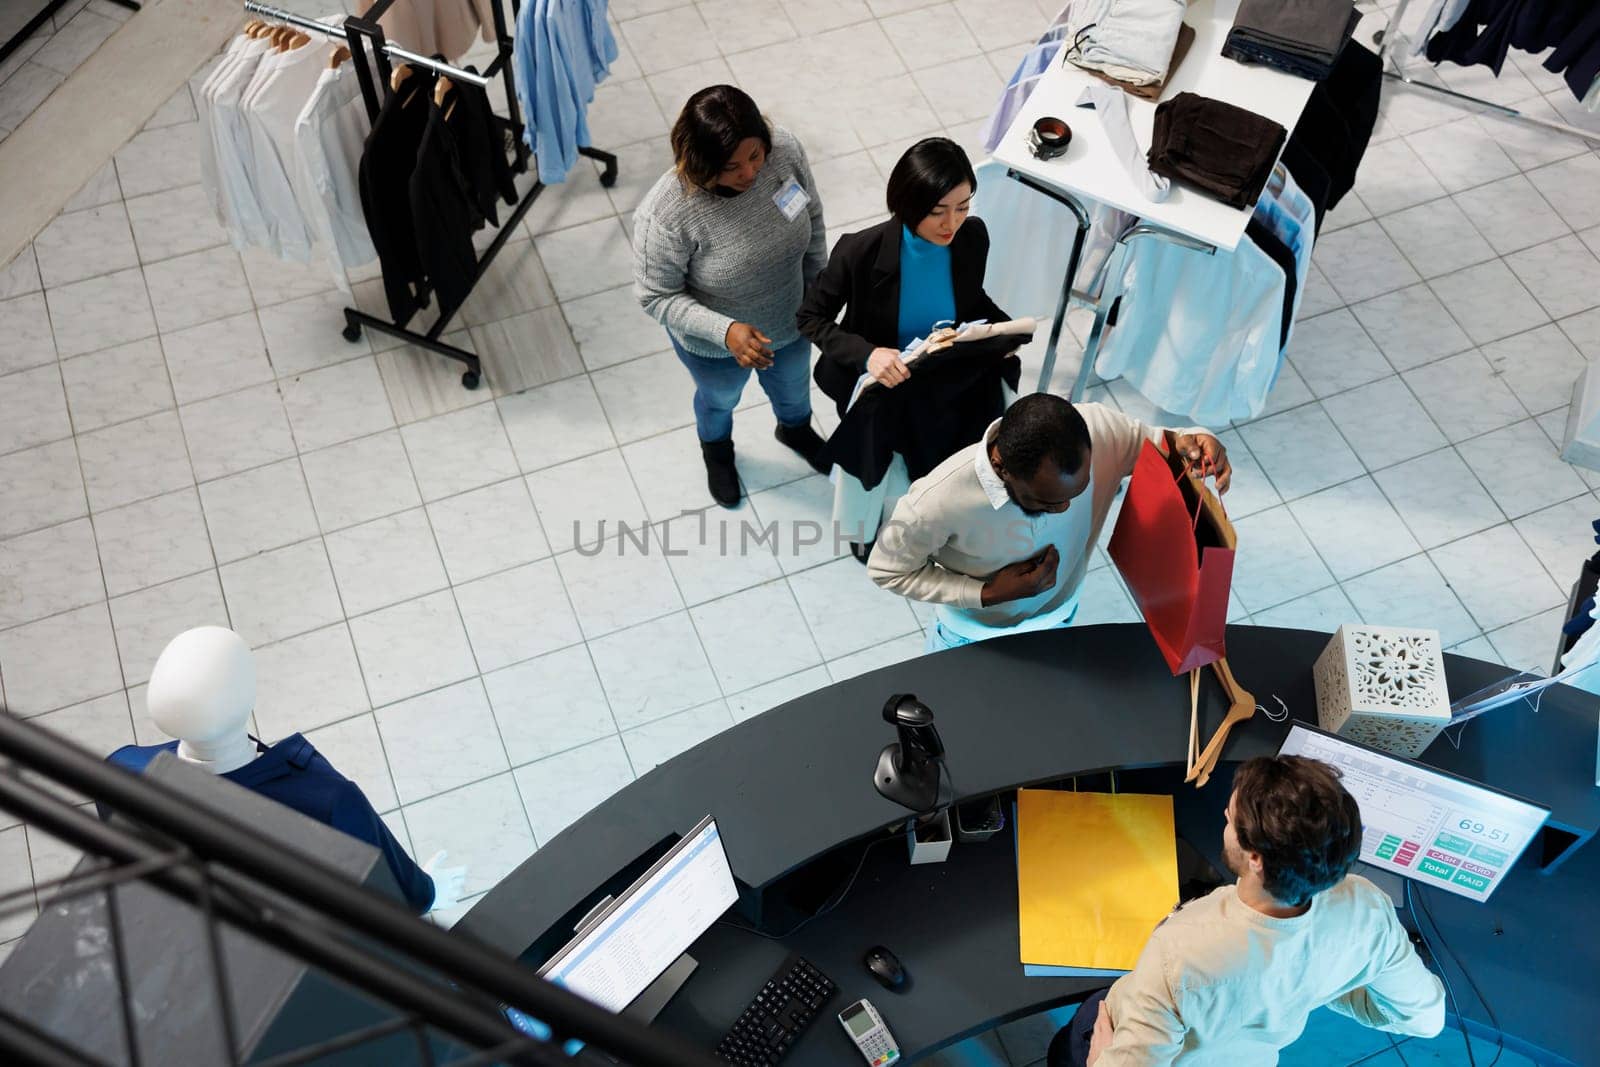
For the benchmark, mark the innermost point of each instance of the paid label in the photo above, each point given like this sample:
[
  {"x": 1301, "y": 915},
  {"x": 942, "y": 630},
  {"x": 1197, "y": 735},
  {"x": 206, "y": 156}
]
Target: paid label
[
  {"x": 1471, "y": 881},
  {"x": 1437, "y": 869}
]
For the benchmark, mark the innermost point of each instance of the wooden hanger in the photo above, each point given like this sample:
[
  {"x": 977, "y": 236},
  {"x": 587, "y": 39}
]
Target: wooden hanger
[
  {"x": 401, "y": 73},
  {"x": 441, "y": 89},
  {"x": 1193, "y": 751},
  {"x": 1243, "y": 706},
  {"x": 251, "y": 27},
  {"x": 339, "y": 55},
  {"x": 298, "y": 40}
]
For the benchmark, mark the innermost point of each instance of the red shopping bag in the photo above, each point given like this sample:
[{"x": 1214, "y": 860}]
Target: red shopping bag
[{"x": 1174, "y": 546}]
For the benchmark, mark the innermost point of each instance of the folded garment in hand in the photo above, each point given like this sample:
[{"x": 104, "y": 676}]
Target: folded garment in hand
[
  {"x": 1221, "y": 149},
  {"x": 1302, "y": 37},
  {"x": 1130, "y": 40}
]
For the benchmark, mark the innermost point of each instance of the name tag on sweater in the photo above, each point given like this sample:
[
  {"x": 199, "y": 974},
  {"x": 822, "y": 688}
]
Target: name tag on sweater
[{"x": 791, "y": 200}]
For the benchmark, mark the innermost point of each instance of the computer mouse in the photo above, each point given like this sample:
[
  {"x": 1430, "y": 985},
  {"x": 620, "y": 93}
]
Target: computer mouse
[{"x": 884, "y": 967}]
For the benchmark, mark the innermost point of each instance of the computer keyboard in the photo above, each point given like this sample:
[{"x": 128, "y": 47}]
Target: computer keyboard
[{"x": 778, "y": 1015}]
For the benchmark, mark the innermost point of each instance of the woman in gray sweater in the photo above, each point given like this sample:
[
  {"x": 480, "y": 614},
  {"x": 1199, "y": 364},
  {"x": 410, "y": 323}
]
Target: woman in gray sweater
[{"x": 724, "y": 245}]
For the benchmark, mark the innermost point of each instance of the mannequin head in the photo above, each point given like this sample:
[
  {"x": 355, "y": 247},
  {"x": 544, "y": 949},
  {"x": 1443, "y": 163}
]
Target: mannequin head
[{"x": 202, "y": 691}]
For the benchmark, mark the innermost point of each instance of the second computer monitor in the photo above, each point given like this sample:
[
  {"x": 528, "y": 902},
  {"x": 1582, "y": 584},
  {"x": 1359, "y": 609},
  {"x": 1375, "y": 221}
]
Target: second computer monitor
[{"x": 1421, "y": 823}]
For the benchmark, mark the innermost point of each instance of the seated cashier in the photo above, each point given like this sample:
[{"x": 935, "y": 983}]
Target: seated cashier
[
  {"x": 895, "y": 282},
  {"x": 1231, "y": 977},
  {"x": 999, "y": 535}
]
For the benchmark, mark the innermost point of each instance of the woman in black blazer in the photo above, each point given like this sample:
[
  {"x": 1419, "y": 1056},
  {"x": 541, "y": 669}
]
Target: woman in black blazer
[
  {"x": 930, "y": 193},
  {"x": 895, "y": 282}
]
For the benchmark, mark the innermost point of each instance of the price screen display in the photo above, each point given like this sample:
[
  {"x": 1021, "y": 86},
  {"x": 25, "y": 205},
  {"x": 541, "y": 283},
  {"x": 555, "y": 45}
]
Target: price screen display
[{"x": 1427, "y": 826}]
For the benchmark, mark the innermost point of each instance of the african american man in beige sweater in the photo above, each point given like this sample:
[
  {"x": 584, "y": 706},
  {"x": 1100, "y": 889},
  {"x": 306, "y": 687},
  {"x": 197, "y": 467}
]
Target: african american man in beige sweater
[{"x": 1000, "y": 534}]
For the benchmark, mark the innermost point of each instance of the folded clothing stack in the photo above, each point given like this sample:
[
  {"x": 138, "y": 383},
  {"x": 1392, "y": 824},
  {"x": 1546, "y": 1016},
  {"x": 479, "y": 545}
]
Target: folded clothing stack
[
  {"x": 1129, "y": 41},
  {"x": 1222, "y": 149},
  {"x": 1302, "y": 37}
]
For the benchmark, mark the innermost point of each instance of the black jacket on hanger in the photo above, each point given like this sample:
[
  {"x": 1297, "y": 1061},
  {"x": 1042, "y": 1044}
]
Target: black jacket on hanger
[
  {"x": 1578, "y": 53},
  {"x": 445, "y": 214},
  {"x": 1279, "y": 253},
  {"x": 1309, "y": 174},
  {"x": 387, "y": 160},
  {"x": 1481, "y": 35},
  {"x": 863, "y": 278},
  {"x": 1339, "y": 118},
  {"x": 482, "y": 148},
  {"x": 952, "y": 397}
]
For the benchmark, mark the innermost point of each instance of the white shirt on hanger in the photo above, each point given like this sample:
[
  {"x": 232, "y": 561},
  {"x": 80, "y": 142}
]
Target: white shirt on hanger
[
  {"x": 279, "y": 94},
  {"x": 213, "y": 132},
  {"x": 235, "y": 162},
  {"x": 208, "y": 147},
  {"x": 329, "y": 136}
]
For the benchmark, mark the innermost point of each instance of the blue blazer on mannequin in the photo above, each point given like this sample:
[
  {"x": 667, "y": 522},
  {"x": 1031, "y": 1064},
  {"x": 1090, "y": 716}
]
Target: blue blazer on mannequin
[{"x": 296, "y": 775}]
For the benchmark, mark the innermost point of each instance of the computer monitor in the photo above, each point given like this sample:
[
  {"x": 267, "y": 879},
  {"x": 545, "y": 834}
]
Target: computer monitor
[
  {"x": 1424, "y": 824},
  {"x": 632, "y": 942}
]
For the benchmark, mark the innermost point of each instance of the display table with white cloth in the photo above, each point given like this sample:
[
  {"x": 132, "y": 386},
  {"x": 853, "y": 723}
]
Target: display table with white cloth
[{"x": 1090, "y": 173}]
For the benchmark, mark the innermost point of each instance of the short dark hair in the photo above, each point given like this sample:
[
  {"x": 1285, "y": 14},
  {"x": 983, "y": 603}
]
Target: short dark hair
[
  {"x": 924, "y": 175},
  {"x": 709, "y": 129},
  {"x": 1042, "y": 425},
  {"x": 1303, "y": 822}
]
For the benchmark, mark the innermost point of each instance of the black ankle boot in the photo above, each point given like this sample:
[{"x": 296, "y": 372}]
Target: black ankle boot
[
  {"x": 803, "y": 440},
  {"x": 722, "y": 477}
]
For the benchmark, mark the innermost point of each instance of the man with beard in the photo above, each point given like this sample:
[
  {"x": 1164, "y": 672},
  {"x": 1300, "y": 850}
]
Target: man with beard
[
  {"x": 1000, "y": 534},
  {"x": 1231, "y": 977}
]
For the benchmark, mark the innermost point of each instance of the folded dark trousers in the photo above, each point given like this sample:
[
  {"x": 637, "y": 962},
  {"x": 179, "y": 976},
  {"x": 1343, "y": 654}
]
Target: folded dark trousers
[
  {"x": 1221, "y": 149},
  {"x": 1302, "y": 37},
  {"x": 1310, "y": 68},
  {"x": 1308, "y": 26}
]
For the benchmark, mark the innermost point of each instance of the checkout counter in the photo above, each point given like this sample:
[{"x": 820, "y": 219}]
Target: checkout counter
[{"x": 792, "y": 795}]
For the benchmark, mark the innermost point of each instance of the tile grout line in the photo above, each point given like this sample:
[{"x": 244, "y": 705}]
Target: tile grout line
[{"x": 572, "y": 608}]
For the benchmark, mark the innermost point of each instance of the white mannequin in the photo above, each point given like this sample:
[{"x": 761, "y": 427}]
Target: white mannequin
[{"x": 202, "y": 691}]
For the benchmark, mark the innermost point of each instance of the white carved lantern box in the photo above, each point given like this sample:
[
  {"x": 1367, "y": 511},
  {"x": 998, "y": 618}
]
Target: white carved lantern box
[{"x": 1383, "y": 686}]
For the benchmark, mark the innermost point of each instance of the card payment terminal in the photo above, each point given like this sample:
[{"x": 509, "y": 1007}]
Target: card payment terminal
[{"x": 866, "y": 1028}]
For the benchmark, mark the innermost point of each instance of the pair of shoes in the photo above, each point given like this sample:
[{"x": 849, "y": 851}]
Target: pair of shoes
[
  {"x": 862, "y": 552},
  {"x": 722, "y": 477},
  {"x": 803, "y": 440}
]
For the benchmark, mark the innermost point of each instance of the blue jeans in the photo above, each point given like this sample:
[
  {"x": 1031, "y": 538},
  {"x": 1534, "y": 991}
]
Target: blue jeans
[{"x": 719, "y": 383}]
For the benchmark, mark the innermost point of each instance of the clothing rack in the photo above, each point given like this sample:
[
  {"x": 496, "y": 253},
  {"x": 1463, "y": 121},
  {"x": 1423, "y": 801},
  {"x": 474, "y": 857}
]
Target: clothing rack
[
  {"x": 1093, "y": 295},
  {"x": 1389, "y": 37},
  {"x": 361, "y": 32}
]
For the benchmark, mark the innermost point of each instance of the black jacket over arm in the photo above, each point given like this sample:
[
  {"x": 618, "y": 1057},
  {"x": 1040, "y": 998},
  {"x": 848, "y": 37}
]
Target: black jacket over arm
[{"x": 863, "y": 278}]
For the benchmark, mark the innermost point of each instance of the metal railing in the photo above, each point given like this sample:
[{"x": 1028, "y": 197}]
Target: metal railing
[{"x": 442, "y": 986}]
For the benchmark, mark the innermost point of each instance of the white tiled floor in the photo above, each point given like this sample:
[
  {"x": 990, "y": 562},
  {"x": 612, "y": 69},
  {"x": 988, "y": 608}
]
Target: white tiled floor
[{"x": 185, "y": 439}]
